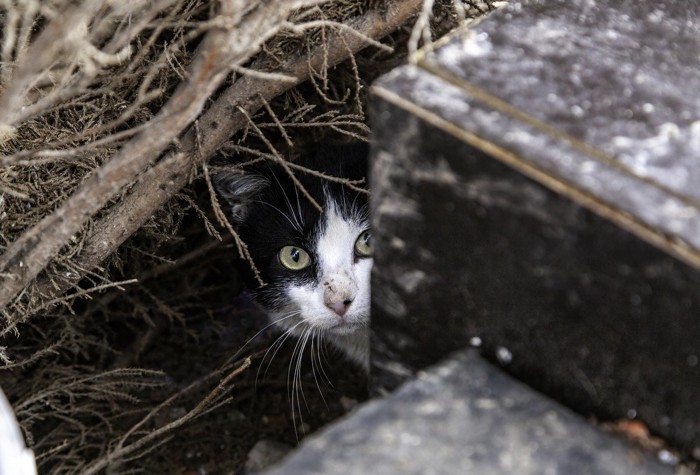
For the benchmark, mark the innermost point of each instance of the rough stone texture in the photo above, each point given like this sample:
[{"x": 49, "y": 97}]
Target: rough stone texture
[
  {"x": 264, "y": 454},
  {"x": 466, "y": 417},
  {"x": 496, "y": 224},
  {"x": 614, "y": 80}
]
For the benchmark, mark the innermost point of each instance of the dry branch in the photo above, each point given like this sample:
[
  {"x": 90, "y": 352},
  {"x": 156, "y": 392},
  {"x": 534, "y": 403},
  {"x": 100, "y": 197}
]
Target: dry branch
[
  {"x": 217, "y": 125},
  {"x": 126, "y": 447},
  {"x": 229, "y": 41}
]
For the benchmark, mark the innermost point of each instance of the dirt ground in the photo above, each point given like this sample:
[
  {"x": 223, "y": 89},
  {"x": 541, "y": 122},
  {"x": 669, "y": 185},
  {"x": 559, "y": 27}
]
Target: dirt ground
[{"x": 261, "y": 405}]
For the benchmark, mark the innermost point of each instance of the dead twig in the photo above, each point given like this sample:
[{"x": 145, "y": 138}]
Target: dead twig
[
  {"x": 229, "y": 44},
  {"x": 217, "y": 124},
  {"x": 221, "y": 217},
  {"x": 125, "y": 448}
]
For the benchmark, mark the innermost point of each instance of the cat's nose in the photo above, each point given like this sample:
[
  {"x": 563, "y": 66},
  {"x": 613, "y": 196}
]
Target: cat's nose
[
  {"x": 339, "y": 307},
  {"x": 339, "y": 292}
]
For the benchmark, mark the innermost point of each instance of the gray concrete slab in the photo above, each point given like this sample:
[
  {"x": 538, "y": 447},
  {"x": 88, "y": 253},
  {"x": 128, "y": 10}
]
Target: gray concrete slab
[
  {"x": 532, "y": 186},
  {"x": 615, "y": 81},
  {"x": 464, "y": 417}
]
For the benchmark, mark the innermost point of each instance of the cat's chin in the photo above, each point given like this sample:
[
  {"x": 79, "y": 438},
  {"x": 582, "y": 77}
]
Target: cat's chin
[{"x": 345, "y": 329}]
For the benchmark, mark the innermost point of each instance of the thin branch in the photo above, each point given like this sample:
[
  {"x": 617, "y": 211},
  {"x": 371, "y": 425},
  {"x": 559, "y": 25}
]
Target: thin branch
[
  {"x": 86, "y": 292},
  {"x": 218, "y": 124},
  {"x": 223, "y": 220},
  {"x": 352, "y": 184},
  {"x": 277, "y": 122},
  {"x": 124, "y": 449},
  {"x": 281, "y": 161},
  {"x": 265, "y": 75},
  {"x": 300, "y": 28},
  {"x": 27, "y": 256},
  {"x": 421, "y": 29}
]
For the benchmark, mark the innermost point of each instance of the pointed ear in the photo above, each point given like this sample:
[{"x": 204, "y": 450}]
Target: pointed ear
[{"x": 238, "y": 189}]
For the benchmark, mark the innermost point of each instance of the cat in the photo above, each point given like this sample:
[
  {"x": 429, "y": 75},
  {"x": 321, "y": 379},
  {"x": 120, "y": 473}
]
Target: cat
[{"x": 315, "y": 265}]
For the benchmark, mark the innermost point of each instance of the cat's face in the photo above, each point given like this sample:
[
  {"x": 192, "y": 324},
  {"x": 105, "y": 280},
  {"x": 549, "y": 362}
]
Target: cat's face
[
  {"x": 325, "y": 277},
  {"x": 316, "y": 265}
]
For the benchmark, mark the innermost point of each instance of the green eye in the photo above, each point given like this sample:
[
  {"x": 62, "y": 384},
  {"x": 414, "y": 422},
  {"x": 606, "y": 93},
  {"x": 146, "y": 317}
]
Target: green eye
[
  {"x": 294, "y": 258},
  {"x": 363, "y": 245}
]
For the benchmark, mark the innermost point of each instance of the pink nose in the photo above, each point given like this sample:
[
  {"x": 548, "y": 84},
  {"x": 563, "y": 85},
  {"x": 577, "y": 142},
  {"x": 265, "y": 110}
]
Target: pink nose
[{"x": 339, "y": 307}]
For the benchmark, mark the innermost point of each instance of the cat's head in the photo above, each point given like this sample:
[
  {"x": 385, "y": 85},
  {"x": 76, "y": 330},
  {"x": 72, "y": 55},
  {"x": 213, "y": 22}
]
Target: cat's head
[{"x": 315, "y": 265}]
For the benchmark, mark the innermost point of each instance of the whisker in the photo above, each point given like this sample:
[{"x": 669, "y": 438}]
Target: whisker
[
  {"x": 297, "y": 355},
  {"x": 289, "y": 204},
  {"x": 314, "y": 371},
  {"x": 276, "y": 345},
  {"x": 274, "y": 322},
  {"x": 301, "y": 215},
  {"x": 319, "y": 347},
  {"x": 324, "y": 355},
  {"x": 294, "y": 224},
  {"x": 296, "y": 388}
]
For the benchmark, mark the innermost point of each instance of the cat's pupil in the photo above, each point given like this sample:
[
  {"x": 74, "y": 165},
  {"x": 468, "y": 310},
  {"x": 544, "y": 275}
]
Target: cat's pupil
[
  {"x": 295, "y": 254},
  {"x": 366, "y": 238}
]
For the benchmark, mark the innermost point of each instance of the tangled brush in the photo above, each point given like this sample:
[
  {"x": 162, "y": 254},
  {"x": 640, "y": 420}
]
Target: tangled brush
[{"x": 110, "y": 115}]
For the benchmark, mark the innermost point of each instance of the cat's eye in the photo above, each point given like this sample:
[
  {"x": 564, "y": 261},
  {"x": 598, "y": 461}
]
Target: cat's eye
[
  {"x": 294, "y": 258},
  {"x": 363, "y": 244}
]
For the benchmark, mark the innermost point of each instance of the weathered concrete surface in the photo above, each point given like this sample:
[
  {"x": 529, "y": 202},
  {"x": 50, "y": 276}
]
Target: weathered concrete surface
[
  {"x": 616, "y": 81},
  {"x": 466, "y": 417},
  {"x": 515, "y": 228}
]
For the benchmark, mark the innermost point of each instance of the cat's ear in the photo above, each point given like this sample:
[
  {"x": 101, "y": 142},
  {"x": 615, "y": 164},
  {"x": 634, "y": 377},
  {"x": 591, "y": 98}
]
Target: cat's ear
[{"x": 238, "y": 189}]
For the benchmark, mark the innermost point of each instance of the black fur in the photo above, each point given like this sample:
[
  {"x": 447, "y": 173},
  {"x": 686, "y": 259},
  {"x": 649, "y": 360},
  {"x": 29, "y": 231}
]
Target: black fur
[{"x": 257, "y": 197}]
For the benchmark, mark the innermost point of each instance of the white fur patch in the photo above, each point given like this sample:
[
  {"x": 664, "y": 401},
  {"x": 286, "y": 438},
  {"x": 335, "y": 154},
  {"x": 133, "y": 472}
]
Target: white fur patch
[{"x": 342, "y": 277}]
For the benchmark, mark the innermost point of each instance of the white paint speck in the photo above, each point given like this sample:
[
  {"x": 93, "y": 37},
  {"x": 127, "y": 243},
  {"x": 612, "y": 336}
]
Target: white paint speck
[
  {"x": 577, "y": 111},
  {"x": 504, "y": 355},
  {"x": 477, "y": 45},
  {"x": 667, "y": 457},
  {"x": 409, "y": 281}
]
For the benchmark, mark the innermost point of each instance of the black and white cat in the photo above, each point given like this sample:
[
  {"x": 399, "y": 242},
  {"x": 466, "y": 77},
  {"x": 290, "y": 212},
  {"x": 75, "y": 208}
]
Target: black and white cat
[{"x": 315, "y": 265}]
